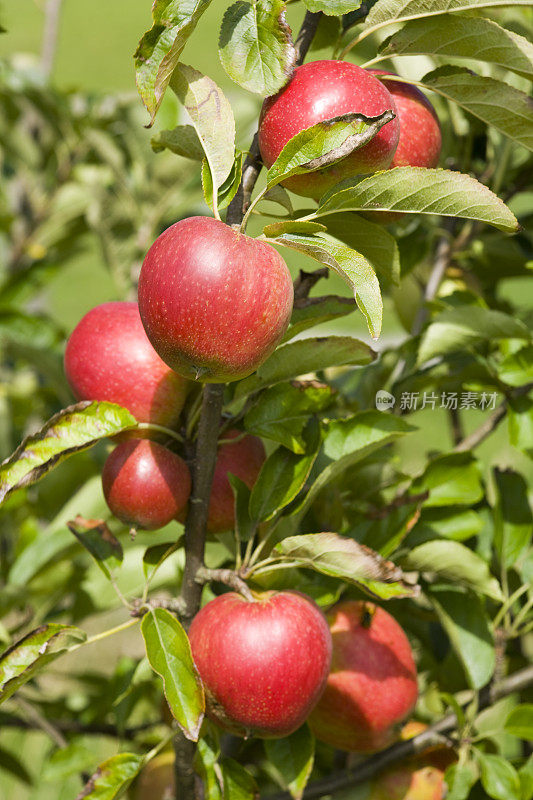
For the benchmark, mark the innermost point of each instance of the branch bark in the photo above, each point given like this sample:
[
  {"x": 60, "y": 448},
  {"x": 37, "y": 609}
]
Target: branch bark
[
  {"x": 434, "y": 735},
  {"x": 491, "y": 423},
  {"x": 51, "y": 29}
]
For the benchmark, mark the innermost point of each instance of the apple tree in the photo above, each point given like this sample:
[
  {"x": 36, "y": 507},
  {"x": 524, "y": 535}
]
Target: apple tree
[{"x": 281, "y": 485}]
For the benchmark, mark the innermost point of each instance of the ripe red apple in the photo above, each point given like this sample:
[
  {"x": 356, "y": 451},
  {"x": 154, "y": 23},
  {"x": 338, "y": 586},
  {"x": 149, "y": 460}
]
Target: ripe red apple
[
  {"x": 145, "y": 485},
  {"x": 109, "y": 357},
  {"x": 372, "y": 686},
  {"x": 319, "y": 91},
  {"x": 420, "y": 136},
  {"x": 263, "y": 663},
  {"x": 243, "y": 459},
  {"x": 214, "y": 302}
]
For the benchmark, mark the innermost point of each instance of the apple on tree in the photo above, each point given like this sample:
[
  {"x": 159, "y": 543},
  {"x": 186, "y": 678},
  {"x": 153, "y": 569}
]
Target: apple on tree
[
  {"x": 145, "y": 484},
  {"x": 318, "y": 91},
  {"x": 214, "y": 302},
  {"x": 263, "y": 663},
  {"x": 372, "y": 686},
  {"x": 108, "y": 357}
]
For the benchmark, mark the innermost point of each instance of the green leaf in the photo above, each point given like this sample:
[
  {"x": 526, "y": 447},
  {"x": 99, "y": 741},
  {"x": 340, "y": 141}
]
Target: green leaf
[
  {"x": 212, "y": 117},
  {"x": 455, "y": 562},
  {"x": 154, "y": 556},
  {"x": 513, "y": 517},
  {"x": 292, "y": 758},
  {"x": 350, "y": 265},
  {"x": 181, "y": 140},
  {"x": 373, "y": 241},
  {"x": 74, "y": 429},
  {"x": 349, "y": 441},
  {"x": 464, "y": 619},
  {"x": 334, "y": 8},
  {"x": 386, "y": 12},
  {"x": 304, "y": 356},
  {"x": 452, "y": 479},
  {"x": 520, "y": 418},
  {"x": 281, "y": 412},
  {"x": 255, "y": 46},
  {"x": 311, "y": 311},
  {"x": 282, "y": 476},
  {"x": 95, "y": 536},
  {"x": 494, "y": 102},
  {"x": 347, "y": 560},
  {"x": 169, "y": 654},
  {"x": 229, "y": 188},
  {"x": 475, "y": 38},
  {"x": 452, "y": 523},
  {"x": 465, "y": 326},
  {"x": 459, "y": 780},
  {"x": 32, "y": 653},
  {"x": 206, "y": 763},
  {"x": 416, "y": 190},
  {"x": 11, "y": 764},
  {"x": 517, "y": 368},
  {"x": 520, "y": 722},
  {"x": 324, "y": 144},
  {"x": 112, "y": 777},
  {"x": 498, "y": 777},
  {"x": 245, "y": 526},
  {"x": 237, "y": 782},
  {"x": 292, "y": 226},
  {"x": 526, "y": 779},
  {"x": 66, "y": 761},
  {"x": 160, "y": 48}
]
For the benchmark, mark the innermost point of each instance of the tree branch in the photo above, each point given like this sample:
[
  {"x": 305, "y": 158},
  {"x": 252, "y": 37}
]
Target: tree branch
[
  {"x": 67, "y": 726},
  {"x": 226, "y": 576},
  {"x": 51, "y": 27},
  {"x": 432, "y": 736},
  {"x": 485, "y": 429}
]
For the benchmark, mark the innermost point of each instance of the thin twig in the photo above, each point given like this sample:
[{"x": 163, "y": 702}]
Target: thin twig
[
  {"x": 40, "y": 721},
  {"x": 226, "y": 576},
  {"x": 485, "y": 429},
  {"x": 72, "y": 726},
  {"x": 434, "y": 735},
  {"x": 440, "y": 265},
  {"x": 51, "y": 28}
]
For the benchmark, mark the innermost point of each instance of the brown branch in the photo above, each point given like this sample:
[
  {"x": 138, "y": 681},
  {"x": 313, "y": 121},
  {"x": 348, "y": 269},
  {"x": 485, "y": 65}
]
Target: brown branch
[
  {"x": 434, "y": 735},
  {"x": 491, "y": 423},
  {"x": 441, "y": 263},
  {"x": 226, "y": 576},
  {"x": 67, "y": 726},
  {"x": 305, "y": 282}
]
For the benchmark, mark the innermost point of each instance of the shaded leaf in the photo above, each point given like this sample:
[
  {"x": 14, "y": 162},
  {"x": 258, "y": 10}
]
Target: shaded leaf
[
  {"x": 459, "y": 780},
  {"x": 237, "y": 783},
  {"x": 325, "y": 143},
  {"x": 245, "y": 526},
  {"x": 456, "y": 562},
  {"x": 421, "y": 191},
  {"x": 292, "y": 226},
  {"x": 30, "y": 654},
  {"x": 332, "y": 7},
  {"x": 311, "y": 311},
  {"x": 169, "y": 654},
  {"x": 65, "y": 761},
  {"x": 517, "y": 368},
  {"x": 74, "y": 429},
  {"x": 513, "y": 517},
  {"x": 520, "y": 722},
  {"x": 10, "y": 763},
  {"x": 112, "y": 777},
  {"x": 229, "y": 188},
  {"x": 475, "y": 38},
  {"x": 181, "y": 140},
  {"x": 292, "y": 758},
  {"x": 305, "y": 356},
  {"x": 386, "y": 12},
  {"x": 95, "y": 536},
  {"x": 159, "y": 50},
  {"x": 255, "y": 46},
  {"x": 465, "y": 621},
  {"x": 520, "y": 417},
  {"x": 349, "y": 561},
  {"x": 494, "y": 102},
  {"x": 373, "y": 241},
  {"x": 466, "y": 326},
  {"x": 154, "y": 556},
  {"x": 452, "y": 479},
  {"x": 498, "y": 777},
  {"x": 350, "y": 265}
]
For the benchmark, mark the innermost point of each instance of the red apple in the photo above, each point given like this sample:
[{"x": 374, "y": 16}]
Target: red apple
[
  {"x": 109, "y": 357},
  {"x": 243, "y": 459},
  {"x": 372, "y": 686},
  {"x": 145, "y": 485},
  {"x": 319, "y": 91},
  {"x": 214, "y": 302},
  {"x": 263, "y": 663},
  {"x": 420, "y": 137}
]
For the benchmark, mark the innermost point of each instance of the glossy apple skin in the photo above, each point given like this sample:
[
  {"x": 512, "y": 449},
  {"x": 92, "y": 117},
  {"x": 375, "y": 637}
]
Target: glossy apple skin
[
  {"x": 264, "y": 664},
  {"x": 420, "y": 135},
  {"x": 145, "y": 484},
  {"x": 243, "y": 459},
  {"x": 372, "y": 685},
  {"x": 319, "y": 91},
  {"x": 214, "y": 302},
  {"x": 108, "y": 357}
]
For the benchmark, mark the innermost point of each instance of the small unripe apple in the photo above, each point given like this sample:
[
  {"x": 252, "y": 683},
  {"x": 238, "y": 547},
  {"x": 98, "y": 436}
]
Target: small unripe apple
[
  {"x": 318, "y": 91},
  {"x": 372, "y": 686},
  {"x": 214, "y": 302},
  {"x": 243, "y": 459},
  {"x": 156, "y": 781},
  {"x": 420, "y": 136},
  {"x": 145, "y": 484},
  {"x": 409, "y": 782},
  {"x": 108, "y": 357},
  {"x": 263, "y": 663}
]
